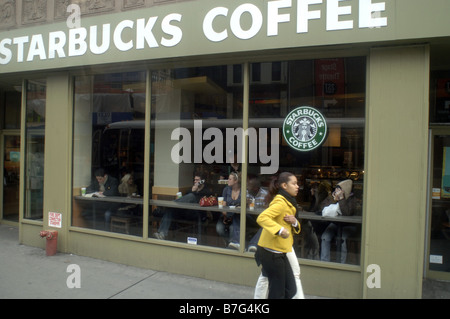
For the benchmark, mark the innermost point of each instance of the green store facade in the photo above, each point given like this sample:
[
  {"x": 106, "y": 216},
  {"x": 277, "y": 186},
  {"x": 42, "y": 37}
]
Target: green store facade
[{"x": 153, "y": 88}]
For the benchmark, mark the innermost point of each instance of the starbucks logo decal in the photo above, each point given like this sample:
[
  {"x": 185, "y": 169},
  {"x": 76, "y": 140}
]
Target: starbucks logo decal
[{"x": 304, "y": 128}]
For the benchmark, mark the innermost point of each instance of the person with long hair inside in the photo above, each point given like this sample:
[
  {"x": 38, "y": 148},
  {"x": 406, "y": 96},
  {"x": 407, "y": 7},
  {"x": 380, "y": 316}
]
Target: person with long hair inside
[{"x": 279, "y": 223}]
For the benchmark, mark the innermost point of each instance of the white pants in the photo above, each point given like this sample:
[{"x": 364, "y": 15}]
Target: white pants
[{"x": 262, "y": 286}]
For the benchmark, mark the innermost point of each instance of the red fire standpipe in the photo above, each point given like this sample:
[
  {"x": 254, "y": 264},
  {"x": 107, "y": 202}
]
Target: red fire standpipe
[{"x": 51, "y": 242}]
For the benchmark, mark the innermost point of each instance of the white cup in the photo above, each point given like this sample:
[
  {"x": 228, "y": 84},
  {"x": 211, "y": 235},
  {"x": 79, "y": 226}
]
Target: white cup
[
  {"x": 83, "y": 191},
  {"x": 179, "y": 195},
  {"x": 220, "y": 202}
]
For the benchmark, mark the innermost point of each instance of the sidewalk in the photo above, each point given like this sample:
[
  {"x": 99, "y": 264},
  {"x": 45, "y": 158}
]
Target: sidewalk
[{"x": 27, "y": 273}]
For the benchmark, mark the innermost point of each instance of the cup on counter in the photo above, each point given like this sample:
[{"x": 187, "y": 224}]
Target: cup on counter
[
  {"x": 179, "y": 195},
  {"x": 220, "y": 202},
  {"x": 83, "y": 191}
]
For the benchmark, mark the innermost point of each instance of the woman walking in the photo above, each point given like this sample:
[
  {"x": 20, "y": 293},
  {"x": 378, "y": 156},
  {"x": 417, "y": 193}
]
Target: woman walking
[{"x": 278, "y": 222}]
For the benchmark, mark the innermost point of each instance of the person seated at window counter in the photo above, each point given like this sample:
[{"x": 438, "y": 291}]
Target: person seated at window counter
[
  {"x": 104, "y": 185},
  {"x": 311, "y": 229},
  {"x": 320, "y": 197},
  {"x": 343, "y": 196},
  {"x": 199, "y": 189},
  {"x": 255, "y": 196},
  {"x": 127, "y": 188},
  {"x": 255, "y": 193},
  {"x": 232, "y": 197}
]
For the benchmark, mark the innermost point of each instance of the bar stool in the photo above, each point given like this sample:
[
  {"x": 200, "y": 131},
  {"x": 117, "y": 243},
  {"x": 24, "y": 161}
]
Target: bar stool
[{"x": 121, "y": 224}]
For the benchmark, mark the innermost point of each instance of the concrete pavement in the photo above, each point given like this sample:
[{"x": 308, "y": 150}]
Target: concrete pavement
[{"x": 27, "y": 273}]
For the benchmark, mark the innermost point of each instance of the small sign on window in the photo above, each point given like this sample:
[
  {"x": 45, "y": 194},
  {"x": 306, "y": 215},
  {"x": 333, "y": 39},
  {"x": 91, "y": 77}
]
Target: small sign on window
[
  {"x": 436, "y": 259},
  {"x": 436, "y": 193},
  {"x": 192, "y": 240}
]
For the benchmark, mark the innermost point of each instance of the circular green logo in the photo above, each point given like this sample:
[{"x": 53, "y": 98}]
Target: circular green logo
[{"x": 304, "y": 128}]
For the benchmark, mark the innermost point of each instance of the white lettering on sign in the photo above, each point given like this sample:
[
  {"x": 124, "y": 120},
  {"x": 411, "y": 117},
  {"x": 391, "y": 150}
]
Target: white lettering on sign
[
  {"x": 274, "y": 17},
  {"x": 118, "y": 42},
  {"x": 235, "y": 21},
  {"x": 77, "y": 41},
  {"x": 335, "y": 17},
  {"x": 82, "y": 40},
  {"x": 104, "y": 45},
  {"x": 334, "y": 11},
  {"x": 57, "y": 41},
  {"x": 304, "y": 14},
  {"x": 369, "y": 14},
  {"x": 244, "y": 22},
  {"x": 208, "y": 29},
  {"x": 174, "y": 31}
]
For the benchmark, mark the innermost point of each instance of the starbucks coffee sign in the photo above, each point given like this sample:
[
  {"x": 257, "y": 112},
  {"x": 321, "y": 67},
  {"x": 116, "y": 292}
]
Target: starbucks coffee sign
[
  {"x": 167, "y": 31},
  {"x": 304, "y": 129}
]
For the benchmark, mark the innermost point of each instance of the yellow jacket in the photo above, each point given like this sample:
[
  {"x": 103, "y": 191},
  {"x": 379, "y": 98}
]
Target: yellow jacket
[{"x": 271, "y": 220}]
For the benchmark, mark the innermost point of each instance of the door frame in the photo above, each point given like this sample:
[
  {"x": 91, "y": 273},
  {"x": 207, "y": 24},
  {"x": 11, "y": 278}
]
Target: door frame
[
  {"x": 432, "y": 274},
  {"x": 3, "y": 134}
]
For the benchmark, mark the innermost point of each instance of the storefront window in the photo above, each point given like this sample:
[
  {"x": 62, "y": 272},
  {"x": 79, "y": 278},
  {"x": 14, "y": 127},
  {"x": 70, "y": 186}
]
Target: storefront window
[
  {"x": 195, "y": 114},
  {"x": 11, "y": 111},
  {"x": 108, "y": 148},
  {"x": 440, "y": 97},
  {"x": 194, "y": 109},
  {"x": 34, "y": 152},
  {"x": 196, "y": 153},
  {"x": 439, "y": 240},
  {"x": 335, "y": 88},
  {"x": 438, "y": 254},
  {"x": 11, "y": 177}
]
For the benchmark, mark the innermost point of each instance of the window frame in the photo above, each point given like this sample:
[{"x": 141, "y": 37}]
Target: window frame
[{"x": 246, "y": 82}]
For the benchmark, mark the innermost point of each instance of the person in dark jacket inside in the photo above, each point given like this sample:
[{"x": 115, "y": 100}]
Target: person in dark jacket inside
[
  {"x": 104, "y": 185},
  {"x": 199, "y": 189},
  {"x": 347, "y": 205}
]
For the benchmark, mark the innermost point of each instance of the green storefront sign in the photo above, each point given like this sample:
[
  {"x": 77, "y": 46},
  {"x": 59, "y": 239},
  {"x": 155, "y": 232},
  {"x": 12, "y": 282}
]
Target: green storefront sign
[{"x": 304, "y": 129}]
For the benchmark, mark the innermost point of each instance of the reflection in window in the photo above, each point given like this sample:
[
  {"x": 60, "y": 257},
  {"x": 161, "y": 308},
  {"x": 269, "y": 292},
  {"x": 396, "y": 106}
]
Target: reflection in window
[
  {"x": 440, "y": 214},
  {"x": 440, "y": 94},
  {"x": 11, "y": 111},
  {"x": 336, "y": 88},
  {"x": 191, "y": 110},
  {"x": 195, "y": 151},
  {"x": 11, "y": 177},
  {"x": 109, "y": 112},
  {"x": 34, "y": 149}
]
